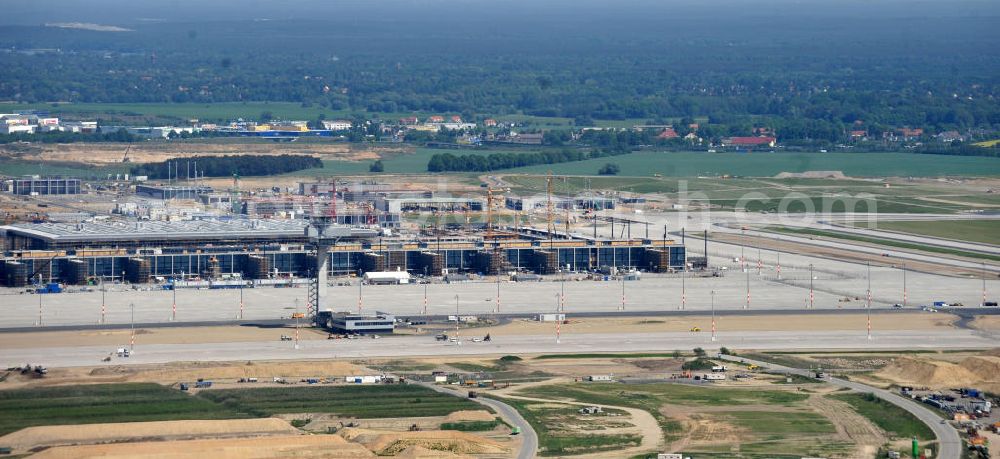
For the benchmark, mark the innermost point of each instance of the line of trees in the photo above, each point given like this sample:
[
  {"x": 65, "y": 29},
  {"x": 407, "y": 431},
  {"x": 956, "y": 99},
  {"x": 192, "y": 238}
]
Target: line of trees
[
  {"x": 224, "y": 166},
  {"x": 68, "y": 137},
  {"x": 448, "y": 162}
]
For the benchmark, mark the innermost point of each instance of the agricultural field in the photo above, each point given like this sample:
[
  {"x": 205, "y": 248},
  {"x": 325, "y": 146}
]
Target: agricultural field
[
  {"x": 985, "y": 231},
  {"x": 104, "y": 403},
  {"x": 349, "y": 401}
]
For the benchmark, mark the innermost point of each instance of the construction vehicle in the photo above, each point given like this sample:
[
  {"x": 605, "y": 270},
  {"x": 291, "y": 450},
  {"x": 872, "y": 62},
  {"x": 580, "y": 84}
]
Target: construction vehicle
[
  {"x": 125, "y": 158},
  {"x": 696, "y": 329},
  {"x": 753, "y": 367}
]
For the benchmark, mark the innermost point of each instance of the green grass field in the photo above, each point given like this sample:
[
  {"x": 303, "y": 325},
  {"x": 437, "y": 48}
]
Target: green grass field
[
  {"x": 883, "y": 242},
  {"x": 396, "y": 163},
  {"x": 385, "y": 401},
  {"x": 640, "y": 395},
  {"x": 16, "y": 168},
  {"x": 791, "y": 428},
  {"x": 985, "y": 231},
  {"x": 694, "y": 164},
  {"x": 102, "y": 403},
  {"x": 891, "y": 418},
  {"x": 548, "y": 423}
]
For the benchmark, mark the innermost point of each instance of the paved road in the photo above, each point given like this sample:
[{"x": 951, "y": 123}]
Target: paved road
[
  {"x": 529, "y": 439},
  {"x": 571, "y": 342},
  {"x": 965, "y": 313},
  {"x": 950, "y": 445}
]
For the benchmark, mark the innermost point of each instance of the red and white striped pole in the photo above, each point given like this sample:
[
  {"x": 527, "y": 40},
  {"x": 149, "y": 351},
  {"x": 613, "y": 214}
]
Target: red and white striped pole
[{"x": 425, "y": 300}]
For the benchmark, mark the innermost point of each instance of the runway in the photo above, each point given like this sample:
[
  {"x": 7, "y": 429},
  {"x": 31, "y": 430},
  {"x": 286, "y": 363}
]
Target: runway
[{"x": 402, "y": 346}]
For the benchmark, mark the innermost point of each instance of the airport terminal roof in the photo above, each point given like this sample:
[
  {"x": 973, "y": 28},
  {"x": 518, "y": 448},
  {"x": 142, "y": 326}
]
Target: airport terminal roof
[{"x": 159, "y": 230}]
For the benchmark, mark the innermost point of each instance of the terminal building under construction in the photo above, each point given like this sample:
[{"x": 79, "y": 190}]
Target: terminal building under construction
[{"x": 139, "y": 252}]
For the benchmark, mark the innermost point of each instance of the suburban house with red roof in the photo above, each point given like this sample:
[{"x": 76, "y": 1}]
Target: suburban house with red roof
[
  {"x": 667, "y": 134},
  {"x": 750, "y": 142},
  {"x": 435, "y": 119}
]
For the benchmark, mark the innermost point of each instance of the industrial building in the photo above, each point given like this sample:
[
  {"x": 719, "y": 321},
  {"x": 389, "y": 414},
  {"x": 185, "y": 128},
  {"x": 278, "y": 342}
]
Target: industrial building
[
  {"x": 342, "y": 322},
  {"x": 172, "y": 191},
  {"x": 35, "y": 185},
  {"x": 77, "y": 253},
  {"x": 435, "y": 204}
]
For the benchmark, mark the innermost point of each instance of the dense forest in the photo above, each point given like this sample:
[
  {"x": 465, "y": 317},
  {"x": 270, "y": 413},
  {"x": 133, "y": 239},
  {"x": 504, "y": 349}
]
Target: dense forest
[
  {"x": 811, "y": 71},
  {"x": 224, "y": 166}
]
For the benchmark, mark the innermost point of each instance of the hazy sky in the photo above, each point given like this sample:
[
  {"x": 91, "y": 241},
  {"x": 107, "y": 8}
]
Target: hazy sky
[{"x": 126, "y": 12}]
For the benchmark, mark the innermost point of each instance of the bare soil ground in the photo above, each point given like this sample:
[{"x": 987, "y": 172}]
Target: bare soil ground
[
  {"x": 147, "y": 152},
  {"x": 48, "y": 436},
  {"x": 296, "y": 446},
  {"x": 385, "y": 443},
  {"x": 987, "y": 323},
  {"x": 980, "y": 371},
  {"x": 180, "y": 335},
  {"x": 851, "y": 426},
  {"x": 320, "y": 422},
  {"x": 174, "y": 372}
]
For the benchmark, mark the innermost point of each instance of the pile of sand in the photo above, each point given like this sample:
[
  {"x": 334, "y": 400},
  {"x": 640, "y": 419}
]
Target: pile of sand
[
  {"x": 470, "y": 415},
  {"x": 386, "y": 443},
  {"x": 33, "y": 437},
  {"x": 986, "y": 368},
  {"x": 938, "y": 374},
  {"x": 929, "y": 373},
  {"x": 299, "y": 446}
]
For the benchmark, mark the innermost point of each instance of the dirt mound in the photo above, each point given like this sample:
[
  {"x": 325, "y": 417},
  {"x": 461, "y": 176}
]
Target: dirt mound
[
  {"x": 470, "y": 415},
  {"x": 987, "y": 368},
  {"x": 930, "y": 373},
  {"x": 659, "y": 364},
  {"x": 419, "y": 452},
  {"x": 298, "y": 446},
  {"x": 386, "y": 443},
  {"x": 32, "y": 437}
]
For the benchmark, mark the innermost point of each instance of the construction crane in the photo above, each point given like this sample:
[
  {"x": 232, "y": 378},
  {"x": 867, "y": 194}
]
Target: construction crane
[
  {"x": 550, "y": 227},
  {"x": 489, "y": 212},
  {"x": 125, "y": 158}
]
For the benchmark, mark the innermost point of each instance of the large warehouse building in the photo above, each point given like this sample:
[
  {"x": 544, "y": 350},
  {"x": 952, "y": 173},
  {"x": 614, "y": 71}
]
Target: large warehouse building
[{"x": 267, "y": 249}]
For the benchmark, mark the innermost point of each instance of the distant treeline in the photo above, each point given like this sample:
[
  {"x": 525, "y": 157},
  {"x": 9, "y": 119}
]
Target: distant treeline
[
  {"x": 68, "y": 137},
  {"x": 223, "y": 166},
  {"x": 447, "y": 162}
]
